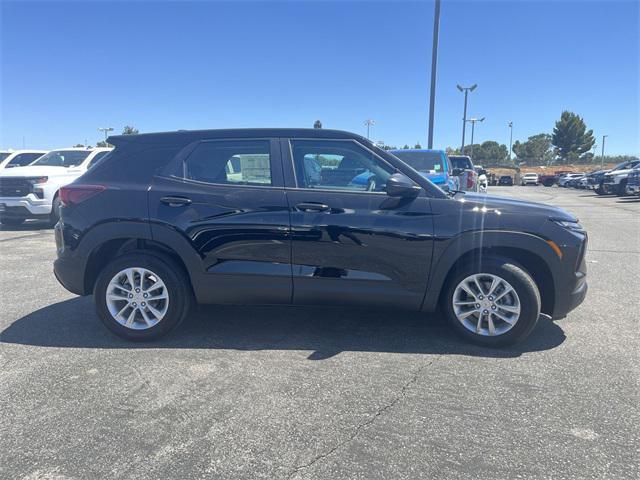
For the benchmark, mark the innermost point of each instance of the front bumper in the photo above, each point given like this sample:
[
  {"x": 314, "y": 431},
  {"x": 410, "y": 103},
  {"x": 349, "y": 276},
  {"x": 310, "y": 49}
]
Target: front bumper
[{"x": 26, "y": 207}]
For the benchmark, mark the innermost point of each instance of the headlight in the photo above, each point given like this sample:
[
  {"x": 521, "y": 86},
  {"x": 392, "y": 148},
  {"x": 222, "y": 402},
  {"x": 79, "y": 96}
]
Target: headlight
[
  {"x": 573, "y": 226},
  {"x": 37, "y": 180}
]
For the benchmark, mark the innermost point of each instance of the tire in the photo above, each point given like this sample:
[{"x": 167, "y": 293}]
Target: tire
[
  {"x": 527, "y": 297},
  {"x": 600, "y": 190},
  {"x": 176, "y": 285},
  {"x": 621, "y": 188},
  {"x": 12, "y": 221},
  {"x": 55, "y": 211}
]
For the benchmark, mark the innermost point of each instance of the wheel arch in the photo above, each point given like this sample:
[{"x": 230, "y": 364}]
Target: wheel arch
[{"x": 530, "y": 252}]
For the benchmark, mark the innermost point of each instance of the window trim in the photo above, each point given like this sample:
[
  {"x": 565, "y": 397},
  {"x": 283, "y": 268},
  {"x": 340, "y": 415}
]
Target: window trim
[
  {"x": 333, "y": 190},
  {"x": 179, "y": 161}
]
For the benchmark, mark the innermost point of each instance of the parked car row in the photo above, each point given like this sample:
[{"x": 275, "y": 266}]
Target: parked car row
[
  {"x": 30, "y": 181},
  {"x": 620, "y": 180}
]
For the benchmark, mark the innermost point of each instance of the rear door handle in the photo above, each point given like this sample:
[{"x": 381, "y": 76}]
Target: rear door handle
[
  {"x": 176, "y": 201},
  {"x": 313, "y": 207}
]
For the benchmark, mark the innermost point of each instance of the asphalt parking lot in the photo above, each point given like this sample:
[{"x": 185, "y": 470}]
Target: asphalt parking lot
[{"x": 280, "y": 393}]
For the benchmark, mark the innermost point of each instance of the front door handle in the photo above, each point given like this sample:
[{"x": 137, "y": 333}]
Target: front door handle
[
  {"x": 313, "y": 207},
  {"x": 176, "y": 201}
]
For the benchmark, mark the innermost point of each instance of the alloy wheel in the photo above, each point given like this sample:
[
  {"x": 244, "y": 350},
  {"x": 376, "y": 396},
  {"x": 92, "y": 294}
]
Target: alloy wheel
[
  {"x": 137, "y": 298},
  {"x": 486, "y": 304}
]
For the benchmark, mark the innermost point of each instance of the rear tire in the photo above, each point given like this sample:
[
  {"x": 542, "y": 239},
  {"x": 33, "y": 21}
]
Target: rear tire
[
  {"x": 621, "y": 188},
  {"x": 55, "y": 211},
  {"x": 159, "y": 316},
  {"x": 12, "y": 221},
  {"x": 525, "y": 295}
]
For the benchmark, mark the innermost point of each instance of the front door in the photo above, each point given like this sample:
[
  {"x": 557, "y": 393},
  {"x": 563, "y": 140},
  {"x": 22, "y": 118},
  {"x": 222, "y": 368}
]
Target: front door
[
  {"x": 225, "y": 199},
  {"x": 351, "y": 242}
]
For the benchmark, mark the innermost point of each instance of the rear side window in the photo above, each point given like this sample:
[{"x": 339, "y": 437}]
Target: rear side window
[
  {"x": 24, "y": 159},
  {"x": 232, "y": 162},
  {"x": 461, "y": 162}
]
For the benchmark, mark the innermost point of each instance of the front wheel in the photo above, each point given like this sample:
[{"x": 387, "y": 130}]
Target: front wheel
[
  {"x": 495, "y": 303},
  {"x": 141, "y": 296}
]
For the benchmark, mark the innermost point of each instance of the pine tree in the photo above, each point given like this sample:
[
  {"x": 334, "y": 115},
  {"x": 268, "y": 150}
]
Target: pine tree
[{"x": 571, "y": 138}]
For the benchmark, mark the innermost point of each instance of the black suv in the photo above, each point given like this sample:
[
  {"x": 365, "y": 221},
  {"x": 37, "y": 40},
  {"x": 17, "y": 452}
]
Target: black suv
[{"x": 266, "y": 216}]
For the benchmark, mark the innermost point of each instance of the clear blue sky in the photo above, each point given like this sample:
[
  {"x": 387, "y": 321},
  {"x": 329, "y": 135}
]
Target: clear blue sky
[{"x": 70, "y": 67}]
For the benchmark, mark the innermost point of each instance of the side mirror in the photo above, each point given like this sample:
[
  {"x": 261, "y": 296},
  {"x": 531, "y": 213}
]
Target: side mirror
[
  {"x": 399, "y": 185},
  {"x": 457, "y": 172}
]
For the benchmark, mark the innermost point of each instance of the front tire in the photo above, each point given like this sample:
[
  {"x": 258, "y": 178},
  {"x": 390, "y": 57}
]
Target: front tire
[
  {"x": 494, "y": 302},
  {"x": 142, "y": 296},
  {"x": 55, "y": 211}
]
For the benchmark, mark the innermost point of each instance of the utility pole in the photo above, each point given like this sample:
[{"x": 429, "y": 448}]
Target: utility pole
[
  {"x": 473, "y": 127},
  {"x": 510, "y": 140},
  {"x": 466, "y": 91},
  {"x": 434, "y": 65},
  {"x": 369, "y": 123},
  {"x": 602, "y": 155},
  {"x": 106, "y": 131}
]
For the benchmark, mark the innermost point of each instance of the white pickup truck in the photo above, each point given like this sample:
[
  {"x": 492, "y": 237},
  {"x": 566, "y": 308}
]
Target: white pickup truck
[{"x": 32, "y": 191}]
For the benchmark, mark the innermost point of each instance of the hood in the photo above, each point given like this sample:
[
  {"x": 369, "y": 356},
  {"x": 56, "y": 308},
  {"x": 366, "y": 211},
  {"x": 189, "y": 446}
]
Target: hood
[
  {"x": 38, "y": 171},
  {"x": 512, "y": 206}
]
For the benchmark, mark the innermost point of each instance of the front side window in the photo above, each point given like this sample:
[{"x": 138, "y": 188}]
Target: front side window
[
  {"x": 233, "y": 162},
  {"x": 338, "y": 165},
  {"x": 63, "y": 158},
  {"x": 424, "y": 161}
]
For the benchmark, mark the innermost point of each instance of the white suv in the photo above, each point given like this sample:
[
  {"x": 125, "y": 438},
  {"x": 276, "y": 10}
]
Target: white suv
[
  {"x": 19, "y": 158},
  {"x": 32, "y": 191},
  {"x": 530, "y": 179}
]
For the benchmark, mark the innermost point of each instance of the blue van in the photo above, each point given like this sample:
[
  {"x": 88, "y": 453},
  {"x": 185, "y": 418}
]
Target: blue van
[{"x": 432, "y": 164}]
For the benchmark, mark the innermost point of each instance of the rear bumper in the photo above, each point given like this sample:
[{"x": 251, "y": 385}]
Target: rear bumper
[{"x": 68, "y": 268}]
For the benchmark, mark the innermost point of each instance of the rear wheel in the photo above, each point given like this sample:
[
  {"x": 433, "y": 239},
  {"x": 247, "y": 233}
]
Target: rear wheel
[
  {"x": 141, "y": 296},
  {"x": 494, "y": 304},
  {"x": 55, "y": 211},
  {"x": 621, "y": 188}
]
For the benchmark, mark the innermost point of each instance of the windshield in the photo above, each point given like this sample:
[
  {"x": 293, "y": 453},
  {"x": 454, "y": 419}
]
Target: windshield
[
  {"x": 423, "y": 161},
  {"x": 62, "y": 158}
]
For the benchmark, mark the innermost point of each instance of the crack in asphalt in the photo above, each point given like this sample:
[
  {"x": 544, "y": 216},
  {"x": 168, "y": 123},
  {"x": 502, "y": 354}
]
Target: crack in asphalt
[{"x": 412, "y": 380}]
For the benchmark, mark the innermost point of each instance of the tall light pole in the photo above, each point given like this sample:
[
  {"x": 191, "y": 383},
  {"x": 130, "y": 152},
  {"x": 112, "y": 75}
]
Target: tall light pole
[
  {"x": 466, "y": 91},
  {"x": 602, "y": 155},
  {"x": 106, "y": 131},
  {"x": 369, "y": 123},
  {"x": 510, "y": 140},
  {"x": 434, "y": 65},
  {"x": 473, "y": 121}
]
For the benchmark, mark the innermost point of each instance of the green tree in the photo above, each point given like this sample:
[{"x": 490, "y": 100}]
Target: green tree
[
  {"x": 488, "y": 154},
  {"x": 102, "y": 144},
  {"x": 79, "y": 145},
  {"x": 317, "y": 124},
  {"x": 406, "y": 147},
  {"x": 535, "y": 151},
  {"x": 571, "y": 138},
  {"x": 417, "y": 146},
  {"x": 128, "y": 130}
]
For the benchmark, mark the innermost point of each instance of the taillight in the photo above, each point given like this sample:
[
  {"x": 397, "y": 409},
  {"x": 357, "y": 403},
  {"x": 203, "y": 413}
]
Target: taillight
[
  {"x": 75, "y": 194},
  {"x": 471, "y": 179}
]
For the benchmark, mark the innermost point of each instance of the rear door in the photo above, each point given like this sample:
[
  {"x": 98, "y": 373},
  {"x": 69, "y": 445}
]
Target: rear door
[
  {"x": 225, "y": 199},
  {"x": 351, "y": 242}
]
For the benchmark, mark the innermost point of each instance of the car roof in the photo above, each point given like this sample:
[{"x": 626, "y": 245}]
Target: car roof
[
  {"x": 416, "y": 150},
  {"x": 193, "y": 135}
]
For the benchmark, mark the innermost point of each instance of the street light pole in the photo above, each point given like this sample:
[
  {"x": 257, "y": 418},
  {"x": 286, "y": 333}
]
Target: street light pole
[
  {"x": 510, "y": 140},
  {"x": 369, "y": 123},
  {"x": 466, "y": 91},
  {"x": 473, "y": 127},
  {"x": 602, "y": 155},
  {"x": 106, "y": 131},
  {"x": 434, "y": 64}
]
